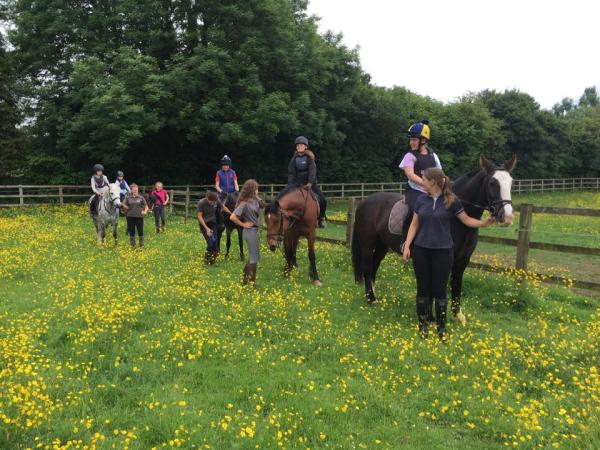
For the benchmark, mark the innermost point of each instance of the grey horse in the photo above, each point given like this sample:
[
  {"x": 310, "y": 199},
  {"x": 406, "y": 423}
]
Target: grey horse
[{"x": 108, "y": 212}]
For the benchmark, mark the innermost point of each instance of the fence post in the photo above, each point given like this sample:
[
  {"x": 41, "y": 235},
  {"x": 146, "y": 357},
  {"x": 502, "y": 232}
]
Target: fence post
[
  {"x": 60, "y": 195},
  {"x": 524, "y": 236},
  {"x": 362, "y": 191},
  {"x": 343, "y": 190},
  {"x": 21, "y": 199},
  {"x": 171, "y": 202},
  {"x": 272, "y": 193},
  {"x": 187, "y": 203},
  {"x": 350, "y": 222}
]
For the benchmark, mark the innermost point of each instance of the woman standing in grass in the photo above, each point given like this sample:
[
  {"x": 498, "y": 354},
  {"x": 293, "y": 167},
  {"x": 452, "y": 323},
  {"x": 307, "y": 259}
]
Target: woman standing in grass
[
  {"x": 135, "y": 209},
  {"x": 161, "y": 199},
  {"x": 433, "y": 251},
  {"x": 246, "y": 215}
]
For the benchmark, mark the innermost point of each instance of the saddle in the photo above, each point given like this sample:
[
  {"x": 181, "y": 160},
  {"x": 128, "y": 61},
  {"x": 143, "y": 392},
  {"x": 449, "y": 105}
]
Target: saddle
[{"x": 397, "y": 214}]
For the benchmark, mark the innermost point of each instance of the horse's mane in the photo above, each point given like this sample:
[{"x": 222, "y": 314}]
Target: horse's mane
[
  {"x": 286, "y": 190},
  {"x": 467, "y": 176},
  {"x": 272, "y": 207}
]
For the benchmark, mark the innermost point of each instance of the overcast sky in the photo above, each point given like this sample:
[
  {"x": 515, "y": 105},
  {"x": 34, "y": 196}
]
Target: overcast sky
[{"x": 445, "y": 48}]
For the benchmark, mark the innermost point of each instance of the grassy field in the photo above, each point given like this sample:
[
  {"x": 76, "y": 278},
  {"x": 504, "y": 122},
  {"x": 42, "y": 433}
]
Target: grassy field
[{"x": 121, "y": 348}]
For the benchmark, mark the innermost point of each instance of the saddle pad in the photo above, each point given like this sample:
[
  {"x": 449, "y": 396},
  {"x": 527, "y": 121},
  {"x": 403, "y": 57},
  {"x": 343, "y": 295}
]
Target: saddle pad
[{"x": 396, "y": 219}]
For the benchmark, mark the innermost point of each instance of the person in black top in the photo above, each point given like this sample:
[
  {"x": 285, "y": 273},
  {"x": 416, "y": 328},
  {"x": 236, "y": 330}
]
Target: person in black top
[
  {"x": 209, "y": 221},
  {"x": 302, "y": 172},
  {"x": 433, "y": 252}
]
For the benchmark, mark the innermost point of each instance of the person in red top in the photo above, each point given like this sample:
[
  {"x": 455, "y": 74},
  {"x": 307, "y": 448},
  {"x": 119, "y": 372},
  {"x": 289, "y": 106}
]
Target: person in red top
[{"x": 160, "y": 199}]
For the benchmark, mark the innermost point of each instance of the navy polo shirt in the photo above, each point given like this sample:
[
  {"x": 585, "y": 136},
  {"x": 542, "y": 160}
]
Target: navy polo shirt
[{"x": 435, "y": 221}]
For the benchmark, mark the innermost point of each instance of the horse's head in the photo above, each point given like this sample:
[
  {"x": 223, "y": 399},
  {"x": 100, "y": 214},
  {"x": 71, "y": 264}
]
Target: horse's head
[
  {"x": 274, "y": 221},
  {"x": 498, "y": 184},
  {"x": 114, "y": 193}
]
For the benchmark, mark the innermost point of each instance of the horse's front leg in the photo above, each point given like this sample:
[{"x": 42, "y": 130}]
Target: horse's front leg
[
  {"x": 456, "y": 279},
  {"x": 241, "y": 242},
  {"x": 228, "y": 231},
  {"x": 289, "y": 250},
  {"x": 314, "y": 276},
  {"x": 115, "y": 230}
]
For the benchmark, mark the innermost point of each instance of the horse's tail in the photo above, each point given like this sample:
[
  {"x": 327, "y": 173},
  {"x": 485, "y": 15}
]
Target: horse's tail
[{"x": 356, "y": 256}]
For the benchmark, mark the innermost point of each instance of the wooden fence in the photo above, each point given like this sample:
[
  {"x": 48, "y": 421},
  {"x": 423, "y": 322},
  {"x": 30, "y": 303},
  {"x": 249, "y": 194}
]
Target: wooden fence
[{"x": 22, "y": 195}]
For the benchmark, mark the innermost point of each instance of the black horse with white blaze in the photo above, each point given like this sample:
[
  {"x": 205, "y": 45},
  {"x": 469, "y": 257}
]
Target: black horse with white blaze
[{"x": 485, "y": 188}]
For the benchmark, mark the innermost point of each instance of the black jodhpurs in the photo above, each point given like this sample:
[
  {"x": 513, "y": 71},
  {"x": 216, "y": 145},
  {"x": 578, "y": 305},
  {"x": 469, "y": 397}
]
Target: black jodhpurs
[
  {"x": 432, "y": 270},
  {"x": 212, "y": 242},
  {"x": 410, "y": 197},
  {"x": 134, "y": 223}
]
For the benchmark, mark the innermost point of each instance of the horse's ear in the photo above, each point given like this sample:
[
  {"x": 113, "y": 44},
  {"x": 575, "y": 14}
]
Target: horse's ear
[
  {"x": 511, "y": 163},
  {"x": 487, "y": 166}
]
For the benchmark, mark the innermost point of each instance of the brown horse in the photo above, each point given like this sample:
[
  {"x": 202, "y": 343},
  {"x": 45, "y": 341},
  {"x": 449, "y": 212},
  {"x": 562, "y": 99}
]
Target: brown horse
[{"x": 292, "y": 215}]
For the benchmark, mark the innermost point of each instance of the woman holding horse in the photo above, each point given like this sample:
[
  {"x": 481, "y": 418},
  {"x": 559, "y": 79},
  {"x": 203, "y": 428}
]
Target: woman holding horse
[
  {"x": 135, "y": 209},
  {"x": 433, "y": 252},
  {"x": 419, "y": 157},
  {"x": 302, "y": 172},
  {"x": 246, "y": 215}
]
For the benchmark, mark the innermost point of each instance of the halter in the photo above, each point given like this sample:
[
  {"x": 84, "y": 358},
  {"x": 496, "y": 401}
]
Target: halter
[
  {"x": 279, "y": 236},
  {"x": 109, "y": 205},
  {"x": 493, "y": 207}
]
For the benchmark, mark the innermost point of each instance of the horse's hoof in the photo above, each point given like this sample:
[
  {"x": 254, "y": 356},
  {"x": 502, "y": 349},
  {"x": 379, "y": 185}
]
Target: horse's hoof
[
  {"x": 317, "y": 283},
  {"x": 372, "y": 302},
  {"x": 460, "y": 317}
]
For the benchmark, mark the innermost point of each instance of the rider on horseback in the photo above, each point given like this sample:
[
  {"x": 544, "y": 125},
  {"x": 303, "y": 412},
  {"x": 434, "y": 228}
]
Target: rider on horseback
[
  {"x": 123, "y": 186},
  {"x": 302, "y": 172},
  {"x": 226, "y": 179},
  {"x": 419, "y": 157},
  {"x": 99, "y": 184}
]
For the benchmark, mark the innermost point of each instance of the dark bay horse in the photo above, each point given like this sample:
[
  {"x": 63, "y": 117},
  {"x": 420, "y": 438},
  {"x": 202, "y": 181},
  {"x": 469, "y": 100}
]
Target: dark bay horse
[
  {"x": 230, "y": 202},
  {"x": 292, "y": 215},
  {"x": 485, "y": 188}
]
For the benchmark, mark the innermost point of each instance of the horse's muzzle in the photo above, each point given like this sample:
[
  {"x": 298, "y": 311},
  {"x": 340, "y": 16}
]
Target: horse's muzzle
[{"x": 272, "y": 247}]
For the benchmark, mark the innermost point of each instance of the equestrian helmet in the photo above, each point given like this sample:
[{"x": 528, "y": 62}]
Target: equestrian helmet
[
  {"x": 120, "y": 173},
  {"x": 420, "y": 130},
  {"x": 301, "y": 140},
  {"x": 98, "y": 167},
  {"x": 225, "y": 160}
]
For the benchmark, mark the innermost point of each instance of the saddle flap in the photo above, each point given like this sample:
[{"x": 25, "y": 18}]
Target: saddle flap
[{"x": 397, "y": 214}]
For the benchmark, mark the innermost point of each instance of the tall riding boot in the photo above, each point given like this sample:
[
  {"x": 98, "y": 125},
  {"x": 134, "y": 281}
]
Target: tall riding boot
[
  {"x": 141, "y": 241},
  {"x": 207, "y": 258},
  {"x": 247, "y": 275},
  {"x": 252, "y": 273},
  {"x": 132, "y": 241},
  {"x": 440, "y": 315},
  {"x": 422, "y": 303},
  {"x": 430, "y": 317},
  {"x": 213, "y": 257}
]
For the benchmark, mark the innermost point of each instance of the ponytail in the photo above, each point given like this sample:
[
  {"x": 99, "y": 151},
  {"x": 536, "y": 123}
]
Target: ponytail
[{"x": 449, "y": 196}]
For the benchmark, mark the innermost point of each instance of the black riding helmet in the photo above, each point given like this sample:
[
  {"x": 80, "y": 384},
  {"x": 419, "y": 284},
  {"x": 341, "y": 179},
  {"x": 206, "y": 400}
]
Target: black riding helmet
[
  {"x": 301, "y": 140},
  {"x": 226, "y": 160},
  {"x": 120, "y": 173},
  {"x": 98, "y": 167}
]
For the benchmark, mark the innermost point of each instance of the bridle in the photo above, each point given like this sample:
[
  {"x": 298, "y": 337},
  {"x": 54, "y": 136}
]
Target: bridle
[
  {"x": 109, "y": 205},
  {"x": 493, "y": 207}
]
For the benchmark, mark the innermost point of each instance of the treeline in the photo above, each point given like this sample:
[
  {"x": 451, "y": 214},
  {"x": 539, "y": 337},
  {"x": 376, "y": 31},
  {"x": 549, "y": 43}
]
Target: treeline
[{"x": 163, "y": 88}]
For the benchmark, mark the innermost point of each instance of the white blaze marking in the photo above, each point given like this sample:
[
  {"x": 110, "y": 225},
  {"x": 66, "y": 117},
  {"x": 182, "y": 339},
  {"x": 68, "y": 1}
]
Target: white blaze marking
[{"x": 505, "y": 181}]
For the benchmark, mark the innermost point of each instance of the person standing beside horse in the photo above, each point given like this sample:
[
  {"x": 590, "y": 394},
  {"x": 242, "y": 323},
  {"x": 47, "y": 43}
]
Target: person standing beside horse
[
  {"x": 246, "y": 215},
  {"x": 226, "y": 181},
  {"x": 135, "y": 209},
  {"x": 433, "y": 252},
  {"x": 160, "y": 200},
  {"x": 123, "y": 186},
  {"x": 302, "y": 172},
  {"x": 419, "y": 158},
  {"x": 209, "y": 220}
]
